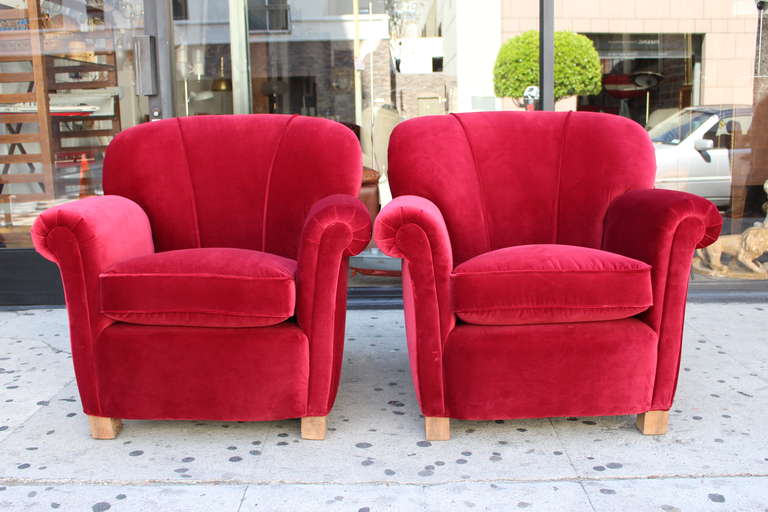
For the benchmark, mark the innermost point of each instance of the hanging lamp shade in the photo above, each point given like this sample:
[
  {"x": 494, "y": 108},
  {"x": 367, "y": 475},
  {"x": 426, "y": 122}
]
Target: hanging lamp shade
[{"x": 221, "y": 83}]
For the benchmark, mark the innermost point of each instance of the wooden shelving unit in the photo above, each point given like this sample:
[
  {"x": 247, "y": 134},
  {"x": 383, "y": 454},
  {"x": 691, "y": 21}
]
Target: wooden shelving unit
[
  {"x": 26, "y": 45},
  {"x": 56, "y": 55},
  {"x": 71, "y": 127}
]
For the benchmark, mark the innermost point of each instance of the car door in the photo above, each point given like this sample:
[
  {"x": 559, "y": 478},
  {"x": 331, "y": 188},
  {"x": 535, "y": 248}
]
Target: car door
[{"x": 706, "y": 173}]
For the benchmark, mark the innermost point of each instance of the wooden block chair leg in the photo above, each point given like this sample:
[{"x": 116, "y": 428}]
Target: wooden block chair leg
[
  {"x": 314, "y": 427},
  {"x": 653, "y": 423},
  {"x": 437, "y": 429},
  {"x": 104, "y": 428}
]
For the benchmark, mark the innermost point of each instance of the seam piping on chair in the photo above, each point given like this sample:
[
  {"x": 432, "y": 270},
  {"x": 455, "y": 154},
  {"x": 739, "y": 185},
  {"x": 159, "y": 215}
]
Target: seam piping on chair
[
  {"x": 313, "y": 328},
  {"x": 195, "y": 218},
  {"x": 441, "y": 342},
  {"x": 89, "y": 315},
  {"x": 664, "y": 298},
  {"x": 331, "y": 386},
  {"x": 542, "y": 308},
  {"x": 483, "y": 210},
  {"x": 118, "y": 312},
  {"x": 542, "y": 271},
  {"x": 564, "y": 137},
  {"x": 269, "y": 181},
  {"x": 187, "y": 275}
]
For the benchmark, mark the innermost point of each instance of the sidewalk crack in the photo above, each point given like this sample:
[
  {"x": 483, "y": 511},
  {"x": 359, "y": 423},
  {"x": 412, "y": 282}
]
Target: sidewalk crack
[
  {"x": 242, "y": 498},
  {"x": 570, "y": 461}
]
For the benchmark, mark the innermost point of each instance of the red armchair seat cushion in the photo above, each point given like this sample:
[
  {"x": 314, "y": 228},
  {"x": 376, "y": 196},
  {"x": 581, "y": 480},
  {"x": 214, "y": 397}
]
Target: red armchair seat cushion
[
  {"x": 549, "y": 283},
  {"x": 208, "y": 287}
]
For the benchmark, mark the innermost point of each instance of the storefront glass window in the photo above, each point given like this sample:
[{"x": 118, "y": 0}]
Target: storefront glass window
[
  {"x": 66, "y": 88},
  {"x": 692, "y": 73},
  {"x": 202, "y": 58},
  {"x": 689, "y": 72}
]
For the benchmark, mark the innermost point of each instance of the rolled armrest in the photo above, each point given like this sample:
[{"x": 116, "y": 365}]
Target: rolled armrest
[
  {"x": 84, "y": 238},
  {"x": 342, "y": 213},
  {"x": 662, "y": 228},
  {"x": 336, "y": 227},
  {"x": 111, "y": 228},
  {"x": 655, "y": 215},
  {"x": 413, "y": 228}
]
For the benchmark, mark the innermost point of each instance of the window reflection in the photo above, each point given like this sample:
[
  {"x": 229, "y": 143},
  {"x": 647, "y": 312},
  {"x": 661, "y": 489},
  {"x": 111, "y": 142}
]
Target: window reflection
[
  {"x": 692, "y": 73},
  {"x": 66, "y": 88}
]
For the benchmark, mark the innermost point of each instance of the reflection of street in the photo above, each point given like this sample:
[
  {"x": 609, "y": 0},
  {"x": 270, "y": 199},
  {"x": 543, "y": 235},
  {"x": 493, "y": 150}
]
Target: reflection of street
[
  {"x": 372, "y": 64},
  {"x": 697, "y": 147},
  {"x": 742, "y": 250}
]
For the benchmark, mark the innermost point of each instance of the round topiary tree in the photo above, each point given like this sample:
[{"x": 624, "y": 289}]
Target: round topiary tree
[{"x": 577, "y": 65}]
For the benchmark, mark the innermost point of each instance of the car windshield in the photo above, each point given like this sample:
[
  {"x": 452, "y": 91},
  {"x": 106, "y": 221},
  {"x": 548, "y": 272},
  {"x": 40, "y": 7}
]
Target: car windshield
[{"x": 675, "y": 129}]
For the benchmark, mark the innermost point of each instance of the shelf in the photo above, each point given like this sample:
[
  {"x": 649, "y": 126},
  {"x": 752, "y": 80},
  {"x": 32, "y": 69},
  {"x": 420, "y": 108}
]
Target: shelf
[
  {"x": 14, "y": 117},
  {"x": 13, "y": 14},
  {"x": 15, "y": 138},
  {"x": 16, "y": 77},
  {"x": 22, "y": 178},
  {"x": 82, "y": 66},
  {"x": 28, "y": 158},
  {"x": 21, "y": 97}
]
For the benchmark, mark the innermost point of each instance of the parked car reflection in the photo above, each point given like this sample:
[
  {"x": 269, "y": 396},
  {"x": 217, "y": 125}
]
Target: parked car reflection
[{"x": 696, "y": 146}]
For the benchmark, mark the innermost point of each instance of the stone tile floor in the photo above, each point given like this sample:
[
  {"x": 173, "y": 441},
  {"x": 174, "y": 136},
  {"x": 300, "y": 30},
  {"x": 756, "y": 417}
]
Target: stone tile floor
[{"x": 715, "y": 456}]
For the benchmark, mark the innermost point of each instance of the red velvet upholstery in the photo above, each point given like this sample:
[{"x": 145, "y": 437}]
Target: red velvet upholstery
[
  {"x": 209, "y": 287},
  {"x": 662, "y": 228},
  {"x": 203, "y": 373},
  {"x": 487, "y": 206},
  {"x": 552, "y": 284},
  {"x": 579, "y": 369},
  {"x": 260, "y": 212},
  {"x": 500, "y": 179}
]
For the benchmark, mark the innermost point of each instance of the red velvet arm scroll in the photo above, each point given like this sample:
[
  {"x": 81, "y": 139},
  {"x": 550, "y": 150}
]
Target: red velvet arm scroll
[
  {"x": 84, "y": 238},
  {"x": 337, "y": 226},
  {"x": 413, "y": 228},
  {"x": 662, "y": 228}
]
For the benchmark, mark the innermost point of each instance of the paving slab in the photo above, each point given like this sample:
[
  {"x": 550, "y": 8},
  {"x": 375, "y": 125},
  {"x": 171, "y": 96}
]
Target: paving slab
[
  {"x": 749, "y": 494},
  {"x": 375, "y": 456},
  {"x": 716, "y": 426},
  {"x": 100, "y": 498},
  {"x": 48, "y": 325},
  {"x": 469, "y": 496},
  {"x": 31, "y": 372},
  {"x": 738, "y": 331}
]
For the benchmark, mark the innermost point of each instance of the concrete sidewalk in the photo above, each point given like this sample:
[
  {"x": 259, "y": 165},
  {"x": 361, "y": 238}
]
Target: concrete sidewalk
[{"x": 715, "y": 456}]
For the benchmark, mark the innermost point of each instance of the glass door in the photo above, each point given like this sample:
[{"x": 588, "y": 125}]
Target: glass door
[
  {"x": 67, "y": 87},
  {"x": 202, "y": 54}
]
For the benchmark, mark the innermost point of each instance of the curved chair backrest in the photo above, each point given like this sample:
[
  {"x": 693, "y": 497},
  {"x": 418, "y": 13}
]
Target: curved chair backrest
[
  {"x": 510, "y": 178},
  {"x": 243, "y": 181}
]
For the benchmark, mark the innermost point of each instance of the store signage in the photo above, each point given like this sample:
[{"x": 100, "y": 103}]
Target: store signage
[{"x": 640, "y": 46}]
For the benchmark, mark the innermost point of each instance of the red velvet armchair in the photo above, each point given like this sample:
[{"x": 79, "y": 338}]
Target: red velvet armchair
[
  {"x": 542, "y": 274},
  {"x": 210, "y": 281}
]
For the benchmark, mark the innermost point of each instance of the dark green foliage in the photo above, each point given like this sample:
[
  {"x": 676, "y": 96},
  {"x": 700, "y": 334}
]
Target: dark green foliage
[{"x": 577, "y": 65}]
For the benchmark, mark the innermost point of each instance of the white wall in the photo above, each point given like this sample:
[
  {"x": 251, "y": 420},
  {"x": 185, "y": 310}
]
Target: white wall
[
  {"x": 416, "y": 54},
  {"x": 472, "y": 37}
]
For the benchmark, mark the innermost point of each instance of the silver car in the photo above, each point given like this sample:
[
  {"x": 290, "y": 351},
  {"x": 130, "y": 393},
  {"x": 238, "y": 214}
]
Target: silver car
[{"x": 695, "y": 148}]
